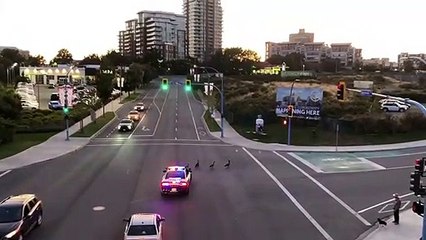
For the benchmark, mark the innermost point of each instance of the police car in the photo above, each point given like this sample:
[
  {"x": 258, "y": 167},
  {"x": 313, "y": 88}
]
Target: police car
[
  {"x": 141, "y": 226},
  {"x": 176, "y": 179}
]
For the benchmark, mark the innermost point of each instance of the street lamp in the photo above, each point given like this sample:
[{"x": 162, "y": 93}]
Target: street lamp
[
  {"x": 10, "y": 70},
  {"x": 289, "y": 118},
  {"x": 221, "y": 94},
  {"x": 65, "y": 107}
]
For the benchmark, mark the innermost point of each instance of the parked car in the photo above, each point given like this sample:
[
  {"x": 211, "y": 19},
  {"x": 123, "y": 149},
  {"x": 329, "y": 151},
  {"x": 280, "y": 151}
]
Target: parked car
[{"x": 55, "y": 105}]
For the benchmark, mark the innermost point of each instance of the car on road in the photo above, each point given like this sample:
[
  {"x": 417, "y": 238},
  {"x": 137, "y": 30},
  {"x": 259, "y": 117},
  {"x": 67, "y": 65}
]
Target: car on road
[
  {"x": 125, "y": 125},
  {"x": 140, "y": 107},
  {"x": 176, "y": 179},
  {"x": 55, "y": 105},
  {"x": 388, "y": 100},
  {"x": 141, "y": 226},
  {"x": 393, "y": 107},
  {"x": 134, "y": 115},
  {"x": 19, "y": 215}
]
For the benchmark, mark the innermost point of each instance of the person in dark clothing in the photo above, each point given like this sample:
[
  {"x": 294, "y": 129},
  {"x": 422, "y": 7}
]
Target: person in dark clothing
[{"x": 396, "y": 208}]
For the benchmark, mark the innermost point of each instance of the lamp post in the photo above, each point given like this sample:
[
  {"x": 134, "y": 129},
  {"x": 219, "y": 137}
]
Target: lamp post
[
  {"x": 9, "y": 72},
  {"x": 289, "y": 118},
  {"x": 66, "y": 102},
  {"x": 221, "y": 95}
]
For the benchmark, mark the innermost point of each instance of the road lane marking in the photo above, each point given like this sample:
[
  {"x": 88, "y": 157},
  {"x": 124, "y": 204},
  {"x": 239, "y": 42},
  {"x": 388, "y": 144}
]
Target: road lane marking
[
  {"x": 3, "y": 174},
  {"x": 373, "y": 164},
  {"x": 98, "y": 208},
  {"x": 291, "y": 197},
  {"x": 160, "y": 144},
  {"x": 315, "y": 168},
  {"x": 175, "y": 138},
  {"x": 400, "y": 167},
  {"x": 347, "y": 207},
  {"x": 175, "y": 129},
  {"x": 137, "y": 125},
  {"x": 192, "y": 116},
  {"x": 159, "y": 117},
  {"x": 384, "y": 202},
  {"x": 404, "y": 204},
  {"x": 158, "y": 109}
]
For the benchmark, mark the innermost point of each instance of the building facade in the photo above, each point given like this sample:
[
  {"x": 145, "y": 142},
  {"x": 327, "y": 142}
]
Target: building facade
[
  {"x": 53, "y": 75},
  {"x": 203, "y": 27},
  {"x": 303, "y": 43},
  {"x": 162, "y": 31},
  {"x": 418, "y": 59}
]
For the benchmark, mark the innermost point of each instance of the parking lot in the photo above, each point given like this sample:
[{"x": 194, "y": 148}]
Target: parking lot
[{"x": 44, "y": 93}]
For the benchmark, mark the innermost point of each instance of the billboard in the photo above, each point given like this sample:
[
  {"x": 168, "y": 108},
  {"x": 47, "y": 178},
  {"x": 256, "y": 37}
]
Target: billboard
[
  {"x": 306, "y": 102},
  {"x": 363, "y": 84}
]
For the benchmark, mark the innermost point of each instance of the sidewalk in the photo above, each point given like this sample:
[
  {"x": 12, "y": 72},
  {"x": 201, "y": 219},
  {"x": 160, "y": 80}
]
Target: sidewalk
[
  {"x": 55, "y": 146},
  {"x": 231, "y": 136},
  {"x": 409, "y": 228}
]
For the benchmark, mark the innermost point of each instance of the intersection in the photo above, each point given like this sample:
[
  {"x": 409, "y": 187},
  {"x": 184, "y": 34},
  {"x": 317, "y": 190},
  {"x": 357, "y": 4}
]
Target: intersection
[{"x": 263, "y": 195}]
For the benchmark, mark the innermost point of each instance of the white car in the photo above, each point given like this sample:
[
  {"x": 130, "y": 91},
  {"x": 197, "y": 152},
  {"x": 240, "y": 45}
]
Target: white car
[
  {"x": 389, "y": 100},
  {"x": 140, "y": 107},
  {"x": 125, "y": 125},
  {"x": 144, "y": 226},
  {"x": 393, "y": 107}
]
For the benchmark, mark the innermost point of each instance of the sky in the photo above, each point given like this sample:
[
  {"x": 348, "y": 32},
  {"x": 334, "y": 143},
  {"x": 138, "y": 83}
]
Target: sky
[{"x": 380, "y": 28}]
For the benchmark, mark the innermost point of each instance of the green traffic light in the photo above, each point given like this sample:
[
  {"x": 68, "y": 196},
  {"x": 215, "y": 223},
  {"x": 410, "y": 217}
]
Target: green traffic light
[
  {"x": 165, "y": 87},
  {"x": 66, "y": 110},
  {"x": 187, "y": 88}
]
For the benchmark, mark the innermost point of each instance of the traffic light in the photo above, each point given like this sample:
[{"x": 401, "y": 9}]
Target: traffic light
[
  {"x": 341, "y": 88},
  {"x": 66, "y": 110},
  {"x": 290, "y": 110},
  {"x": 165, "y": 83},
  {"x": 420, "y": 166},
  {"x": 415, "y": 184},
  {"x": 188, "y": 86},
  {"x": 418, "y": 207}
]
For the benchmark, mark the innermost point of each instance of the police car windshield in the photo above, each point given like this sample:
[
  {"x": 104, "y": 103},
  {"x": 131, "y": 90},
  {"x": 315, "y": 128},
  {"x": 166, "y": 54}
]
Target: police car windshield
[
  {"x": 142, "y": 230},
  {"x": 175, "y": 174}
]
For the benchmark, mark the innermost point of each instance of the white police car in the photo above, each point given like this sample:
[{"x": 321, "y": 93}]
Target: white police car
[
  {"x": 125, "y": 125},
  {"x": 142, "y": 226}
]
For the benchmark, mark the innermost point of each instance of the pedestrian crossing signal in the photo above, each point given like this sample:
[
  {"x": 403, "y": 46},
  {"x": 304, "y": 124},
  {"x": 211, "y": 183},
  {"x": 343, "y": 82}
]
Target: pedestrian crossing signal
[
  {"x": 290, "y": 110},
  {"x": 188, "y": 86},
  {"x": 165, "y": 84}
]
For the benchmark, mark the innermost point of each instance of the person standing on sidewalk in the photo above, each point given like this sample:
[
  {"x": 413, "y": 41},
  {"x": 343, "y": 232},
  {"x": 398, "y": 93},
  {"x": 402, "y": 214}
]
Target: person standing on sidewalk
[{"x": 396, "y": 208}]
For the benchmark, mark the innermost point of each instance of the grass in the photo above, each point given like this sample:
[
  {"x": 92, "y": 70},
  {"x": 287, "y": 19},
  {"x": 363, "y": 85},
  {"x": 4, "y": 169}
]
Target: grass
[
  {"x": 22, "y": 142},
  {"x": 304, "y": 136},
  {"x": 211, "y": 123},
  {"x": 93, "y": 127},
  {"x": 129, "y": 98}
]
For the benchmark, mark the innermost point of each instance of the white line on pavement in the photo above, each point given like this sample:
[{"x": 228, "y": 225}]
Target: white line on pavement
[
  {"x": 192, "y": 116},
  {"x": 160, "y": 144},
  {"x": 315, "y": 168},
  {"x": 400, "y": 167},
  {"x": 373, "y": 164},
  {"x": 158, "y": 109},
  {"x": 3, "y": 174},
  {"x": 291, "y": 197},
  {"x": 175, "y": 129},
  {"x": 140, "y": 121},
  {"x": 363, "y": 220},
  {"x": 384, "y": 202},
  {"x": 159, "y": 117}
]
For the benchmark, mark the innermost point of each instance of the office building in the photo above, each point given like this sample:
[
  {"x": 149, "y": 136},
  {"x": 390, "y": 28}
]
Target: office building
[
  {"x": 203, "y": 27},
  {"x": 418, "y": 59}
]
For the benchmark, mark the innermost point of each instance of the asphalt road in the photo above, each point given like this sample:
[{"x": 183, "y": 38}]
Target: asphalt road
[{"x": 264, "y": 195}]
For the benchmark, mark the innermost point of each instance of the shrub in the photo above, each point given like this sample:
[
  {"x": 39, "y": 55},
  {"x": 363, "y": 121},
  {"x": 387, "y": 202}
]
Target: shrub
[{"x": 7, "y": 131}]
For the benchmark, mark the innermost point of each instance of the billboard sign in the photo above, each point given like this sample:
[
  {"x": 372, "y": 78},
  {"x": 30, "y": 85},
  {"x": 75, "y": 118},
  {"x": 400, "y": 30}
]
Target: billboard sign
[
  {"x": 363, "y": 84},
  {"x": 306, "y": 102}
]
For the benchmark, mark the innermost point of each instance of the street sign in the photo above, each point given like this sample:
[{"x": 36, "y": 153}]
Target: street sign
[{"x": 366, "y": 93}]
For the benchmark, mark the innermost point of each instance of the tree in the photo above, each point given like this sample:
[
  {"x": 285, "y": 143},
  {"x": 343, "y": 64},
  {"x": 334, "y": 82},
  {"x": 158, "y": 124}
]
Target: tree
[
  {"x": 330, "y": 65},
  {"x": 92, "y": 59},
  {"x": 104, "y": 88},
  {"x": 10, "y": 104},
  {"x": 12, "y": 55},
  {"x": 63, "y": 57},
  {"x": 233, "y": 61},
  {"x": 276, "y": 59},
  {"x": 35, "y": 61},
  {"x": 134, "y": 77},
  {"x": 114, "y": 59},
  {"x": 294, "y": 61}
]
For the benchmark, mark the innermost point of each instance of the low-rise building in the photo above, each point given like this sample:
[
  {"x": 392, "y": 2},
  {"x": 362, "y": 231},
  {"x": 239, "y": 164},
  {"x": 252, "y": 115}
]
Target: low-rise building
[{"x": 53, "y": 75}]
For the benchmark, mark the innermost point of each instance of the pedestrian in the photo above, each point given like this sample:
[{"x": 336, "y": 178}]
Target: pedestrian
[{"x": 396, "y": 208}]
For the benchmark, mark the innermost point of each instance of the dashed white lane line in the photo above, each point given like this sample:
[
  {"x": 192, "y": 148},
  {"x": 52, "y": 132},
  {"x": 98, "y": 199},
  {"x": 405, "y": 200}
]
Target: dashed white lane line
[
  {"x": 175, "y": 129},
  {"x": 3, "y": 174},
  {"x": 176, "y": 120},
  {"x": 346, "y": 206},
  {"x": 192, "y": 116},
  {"x": 291, "y": 197},
  {"x": 98, "y": 208}
]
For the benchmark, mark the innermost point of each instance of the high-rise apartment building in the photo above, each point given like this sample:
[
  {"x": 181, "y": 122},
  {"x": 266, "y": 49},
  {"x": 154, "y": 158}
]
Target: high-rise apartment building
[
  {"x": 162, "y": 31},
  {"x": 203, "y": 27},
  {"x": 301, "y": 37}
]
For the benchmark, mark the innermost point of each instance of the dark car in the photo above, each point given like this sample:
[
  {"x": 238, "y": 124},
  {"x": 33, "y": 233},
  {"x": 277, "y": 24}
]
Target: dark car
[{"x": 19, "y": 215}]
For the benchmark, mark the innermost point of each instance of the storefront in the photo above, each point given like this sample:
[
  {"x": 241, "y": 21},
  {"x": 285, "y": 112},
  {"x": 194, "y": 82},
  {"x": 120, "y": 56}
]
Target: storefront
[{"x": 53, "y": 75}]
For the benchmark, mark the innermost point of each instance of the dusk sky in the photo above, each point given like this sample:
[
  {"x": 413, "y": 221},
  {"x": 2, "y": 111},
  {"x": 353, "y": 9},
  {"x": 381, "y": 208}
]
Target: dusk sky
[{"x": 380, "y": 28}]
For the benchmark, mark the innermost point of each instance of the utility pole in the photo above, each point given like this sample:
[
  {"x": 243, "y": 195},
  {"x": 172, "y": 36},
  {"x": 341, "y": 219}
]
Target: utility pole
[{"x": 66, "y": 114}]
